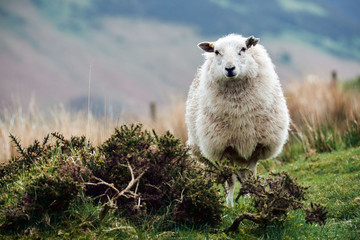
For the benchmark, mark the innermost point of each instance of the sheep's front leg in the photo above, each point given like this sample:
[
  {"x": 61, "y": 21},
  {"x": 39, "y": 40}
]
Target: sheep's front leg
[
  {"x": 230, "y": 188},
  {"x": 253, "y": 167}
]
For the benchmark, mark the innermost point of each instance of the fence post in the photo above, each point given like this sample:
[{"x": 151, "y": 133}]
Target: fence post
[
  {"x": 153, "y": 111},
  {"x": 334, "y": 78}
]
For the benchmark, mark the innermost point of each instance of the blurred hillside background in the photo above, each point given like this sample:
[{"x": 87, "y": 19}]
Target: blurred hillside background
[{"x": 144, "y": 51}]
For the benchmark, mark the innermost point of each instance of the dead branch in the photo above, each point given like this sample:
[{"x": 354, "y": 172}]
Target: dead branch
[
  {"x": 102, "y": 182},
  {"x": 130, "y": 185},
  {"x": 235, "y": 225},
  {"x": 126, "y": 192}
]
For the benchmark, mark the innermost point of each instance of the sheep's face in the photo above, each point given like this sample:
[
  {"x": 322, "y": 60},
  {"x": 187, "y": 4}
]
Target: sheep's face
[{"x": 230, "y": 55}]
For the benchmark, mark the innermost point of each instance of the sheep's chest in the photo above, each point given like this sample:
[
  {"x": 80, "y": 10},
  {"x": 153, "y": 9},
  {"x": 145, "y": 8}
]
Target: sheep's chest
[{"x": 229, "y": 121}]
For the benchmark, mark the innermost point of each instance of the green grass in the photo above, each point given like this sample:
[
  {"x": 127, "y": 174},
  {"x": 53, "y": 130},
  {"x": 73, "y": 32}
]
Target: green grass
[{"x": 334, "y": 181}]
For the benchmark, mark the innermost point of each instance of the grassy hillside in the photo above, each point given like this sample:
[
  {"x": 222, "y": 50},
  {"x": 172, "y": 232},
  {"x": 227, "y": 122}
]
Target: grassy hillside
[{"x": 323, "y": 22}]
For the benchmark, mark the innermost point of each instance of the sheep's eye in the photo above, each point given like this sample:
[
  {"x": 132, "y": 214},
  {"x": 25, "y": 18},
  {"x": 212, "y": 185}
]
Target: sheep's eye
[
  {"x": 217, "y": 52},
  {"x": 242, "y": 50}
]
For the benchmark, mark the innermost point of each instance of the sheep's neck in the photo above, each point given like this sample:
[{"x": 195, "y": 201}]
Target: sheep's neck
[{"x": 234, "y": 86}]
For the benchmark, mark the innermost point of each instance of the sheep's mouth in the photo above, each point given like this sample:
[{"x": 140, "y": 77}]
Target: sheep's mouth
[{"x": 230, "y": 75}]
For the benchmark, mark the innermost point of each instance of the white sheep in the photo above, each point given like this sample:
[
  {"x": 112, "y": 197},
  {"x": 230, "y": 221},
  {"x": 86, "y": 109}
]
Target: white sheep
[{"x": 236, "y": 108}]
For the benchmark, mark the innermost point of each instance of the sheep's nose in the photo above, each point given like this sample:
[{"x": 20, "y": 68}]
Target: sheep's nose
[{"x": 230, "y": 69}]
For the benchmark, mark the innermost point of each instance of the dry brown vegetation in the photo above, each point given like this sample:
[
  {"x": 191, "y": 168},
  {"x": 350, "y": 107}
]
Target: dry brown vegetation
[
  {"x": 314, "y": 105},
  {"x": 315, "y": 102},
  {"x": 325, "y": 116},
  {"x": 29, "y": 123}
]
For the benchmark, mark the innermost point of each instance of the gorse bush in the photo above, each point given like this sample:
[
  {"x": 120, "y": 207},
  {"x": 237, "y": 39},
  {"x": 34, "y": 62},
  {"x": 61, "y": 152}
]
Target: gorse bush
[
  {"x": 27, "y": 158},
  {"x": 274, "y": 197},
  {"x": 46, "y": 195},
  {"x": 197, "y": 203},
  {"x": 168, "y": 180},
  {"x": 135, "y": 173},
  {"x": 49, "y": 177}
]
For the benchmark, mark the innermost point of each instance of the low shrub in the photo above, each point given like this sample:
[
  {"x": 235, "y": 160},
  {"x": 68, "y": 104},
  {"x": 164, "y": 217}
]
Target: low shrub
[
  {"x": 136, "y": 173},
  {"x": 169, "y": 181},
  {"x": 273, "y": 198}
]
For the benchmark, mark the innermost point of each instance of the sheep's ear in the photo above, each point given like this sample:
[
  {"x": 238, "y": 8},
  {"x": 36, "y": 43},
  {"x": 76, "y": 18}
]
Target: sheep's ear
[
  {"x": 251, "y": 41},
  {"x": 206, "y": 46}
]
